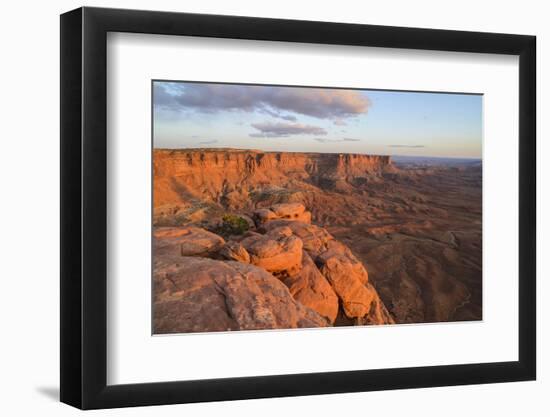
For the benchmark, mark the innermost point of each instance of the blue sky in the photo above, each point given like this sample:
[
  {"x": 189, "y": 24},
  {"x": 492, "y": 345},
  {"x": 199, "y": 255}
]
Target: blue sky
[{"x": 296, "y": 119}]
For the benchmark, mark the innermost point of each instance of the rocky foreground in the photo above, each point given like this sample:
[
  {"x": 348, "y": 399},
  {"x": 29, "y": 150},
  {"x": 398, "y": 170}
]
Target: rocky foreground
[{"x": 281, "y": 272}]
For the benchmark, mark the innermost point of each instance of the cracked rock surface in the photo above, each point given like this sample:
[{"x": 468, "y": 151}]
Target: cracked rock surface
[{"x": 286, "y": 274}]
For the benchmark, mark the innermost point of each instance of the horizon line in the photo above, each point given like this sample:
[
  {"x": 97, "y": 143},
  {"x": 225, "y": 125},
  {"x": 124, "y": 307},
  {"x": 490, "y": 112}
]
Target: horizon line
[{"x": 480, "y": 158}]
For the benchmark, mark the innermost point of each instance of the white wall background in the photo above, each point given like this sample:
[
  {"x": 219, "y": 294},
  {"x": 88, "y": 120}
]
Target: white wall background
[{"x": 29, "y": 225}]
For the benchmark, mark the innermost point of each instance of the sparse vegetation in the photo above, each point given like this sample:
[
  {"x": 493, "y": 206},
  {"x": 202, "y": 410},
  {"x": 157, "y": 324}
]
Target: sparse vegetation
[{"x": 271, "y": 194}]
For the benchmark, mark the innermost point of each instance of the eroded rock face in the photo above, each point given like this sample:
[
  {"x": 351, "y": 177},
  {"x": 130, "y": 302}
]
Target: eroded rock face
[
  {"x": 233, "y": 199},
  {"x": 316, "y": 277},
  {"x": 315, "y": 239},
  {"x": 356, "y": 297},
  {"x": 283, "y": 212},
  {"x": 279, "y": 252},
  {"x": 338, "y": 256},
  {"x": 378, "y": 313},
  {"x": 234, "y": 251},
  {"x": 349, "y": 279},
  {"x": 263, "y": 215},
  {"x": 346, "y": 274},
  {"x": 312, "y": 289},
  {"x": 186, "y": 241},
  {"x": 205, "y": 173},
  {"x": 195, "y": 294},
  {"x": 249, "y": 221},
  {"x": 288, "y": 210}
]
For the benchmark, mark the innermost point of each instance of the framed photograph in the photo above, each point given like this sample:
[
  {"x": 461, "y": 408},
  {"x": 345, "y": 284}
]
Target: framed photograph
[{"x": 258, "y": 208}]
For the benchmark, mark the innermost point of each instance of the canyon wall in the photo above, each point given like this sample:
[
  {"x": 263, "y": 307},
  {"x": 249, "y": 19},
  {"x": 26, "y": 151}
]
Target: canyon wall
[{"x": 203, "y": 172}]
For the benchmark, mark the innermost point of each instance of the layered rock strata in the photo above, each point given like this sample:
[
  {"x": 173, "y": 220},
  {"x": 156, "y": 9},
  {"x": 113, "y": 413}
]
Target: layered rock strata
[{"x": 229, "y": 175}]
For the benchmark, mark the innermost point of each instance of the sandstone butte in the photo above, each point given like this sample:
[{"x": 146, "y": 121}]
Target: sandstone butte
[{"x": 286, "y": 273}]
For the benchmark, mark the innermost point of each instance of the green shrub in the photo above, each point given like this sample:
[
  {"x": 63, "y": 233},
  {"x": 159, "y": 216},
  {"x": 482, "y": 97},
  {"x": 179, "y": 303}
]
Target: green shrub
[{"x": 232, "y": 225}]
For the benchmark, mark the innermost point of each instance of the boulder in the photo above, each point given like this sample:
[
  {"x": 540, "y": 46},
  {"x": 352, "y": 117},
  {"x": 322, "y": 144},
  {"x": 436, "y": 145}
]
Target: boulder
[
  {"x": 350, "y": 280},
  {"x": 205, "y": 295},
  {"x": 280, "y": 232},
  {"x": 304, "y": 217},
  {"x": 345, "y": 260},
  {"x": 186, "y": 241},
  {"x": 249, "y": 220},
  {"x": 378, "y": 313},
  {"x": 315, "y": 239},
  {"x": 347, "y": 276},
  {"x": 348, "y": 285},
  {"x": 234, "y": 251},
  {"x": 311, "y": 289},
  {"x": 278, "y": 252},
  {"x": 288, "y": 210},
  {"x": 262, "y": 216},
  {"x": 283, "y": 211}
]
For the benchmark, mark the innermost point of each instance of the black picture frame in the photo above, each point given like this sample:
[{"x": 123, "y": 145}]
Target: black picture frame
[{"x": 84, "y": 207}]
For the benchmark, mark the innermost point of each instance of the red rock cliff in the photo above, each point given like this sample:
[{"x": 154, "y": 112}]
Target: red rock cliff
[{"x": 213, "y": 171}]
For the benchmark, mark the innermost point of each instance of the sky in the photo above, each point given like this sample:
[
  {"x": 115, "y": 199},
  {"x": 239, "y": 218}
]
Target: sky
[{"x": 304, "y": 119}]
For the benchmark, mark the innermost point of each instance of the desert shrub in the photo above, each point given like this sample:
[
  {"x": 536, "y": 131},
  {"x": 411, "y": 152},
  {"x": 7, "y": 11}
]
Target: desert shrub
[{"x": 232, "y": 225}]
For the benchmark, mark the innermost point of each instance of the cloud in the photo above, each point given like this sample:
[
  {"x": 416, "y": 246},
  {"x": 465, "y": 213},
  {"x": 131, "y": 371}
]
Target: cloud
[
  {"x": 322, "y": 103},
  {"x": 277, "y": 130},
  {"x": 163, "y": 95},
  {"x": 406, "y": 146},
  {"x": 323, "y": 140},
  {"x": 287, "y": 117},
  {"x": 208, "y": 142}
]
